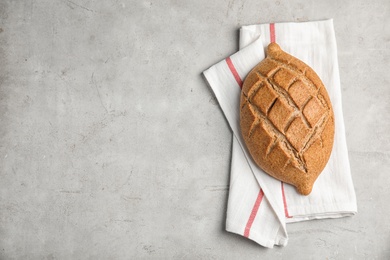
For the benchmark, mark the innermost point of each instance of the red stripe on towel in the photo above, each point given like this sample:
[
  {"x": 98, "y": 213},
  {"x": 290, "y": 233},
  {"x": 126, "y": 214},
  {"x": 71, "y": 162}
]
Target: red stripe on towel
[
  {"x": 234, "y": 71},
  {"x": 272, "y": 31},
  {"x": 255, "y": 209},
  {"x": 285, "y": 202}
]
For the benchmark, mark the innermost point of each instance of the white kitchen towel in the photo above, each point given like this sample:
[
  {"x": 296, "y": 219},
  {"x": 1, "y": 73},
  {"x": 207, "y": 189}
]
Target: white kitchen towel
[{"x": 259, "y": 206}]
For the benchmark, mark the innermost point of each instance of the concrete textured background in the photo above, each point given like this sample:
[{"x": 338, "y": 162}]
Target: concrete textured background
[{"x": 113, "y": 146}]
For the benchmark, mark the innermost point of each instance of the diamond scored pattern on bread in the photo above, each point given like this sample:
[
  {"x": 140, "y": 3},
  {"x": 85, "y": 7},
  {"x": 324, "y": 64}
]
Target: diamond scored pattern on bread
[{"x": 287, "y": 119}]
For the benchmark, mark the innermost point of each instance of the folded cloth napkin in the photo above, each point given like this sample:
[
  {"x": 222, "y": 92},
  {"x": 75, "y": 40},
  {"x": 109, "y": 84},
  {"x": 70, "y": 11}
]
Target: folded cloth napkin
[{"x": 259, "y": 206}]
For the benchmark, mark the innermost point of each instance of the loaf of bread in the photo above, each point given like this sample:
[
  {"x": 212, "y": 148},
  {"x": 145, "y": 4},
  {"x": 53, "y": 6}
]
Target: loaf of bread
[{"x": 287, "y": 119}]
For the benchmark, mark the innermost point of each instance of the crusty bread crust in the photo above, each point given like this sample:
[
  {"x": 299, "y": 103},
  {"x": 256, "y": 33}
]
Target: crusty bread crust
[{"x": 287, "y": 119}]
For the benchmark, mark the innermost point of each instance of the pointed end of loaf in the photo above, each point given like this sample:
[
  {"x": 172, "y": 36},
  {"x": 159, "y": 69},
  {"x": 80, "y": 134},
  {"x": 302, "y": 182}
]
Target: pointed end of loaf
[
  {"x": 273, "y": 48},
  {"x": 305, "y": 189}
]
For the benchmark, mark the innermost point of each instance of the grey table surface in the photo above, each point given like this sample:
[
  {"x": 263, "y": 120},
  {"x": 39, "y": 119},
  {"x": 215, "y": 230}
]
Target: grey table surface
[{"x": 113, "y": 146}]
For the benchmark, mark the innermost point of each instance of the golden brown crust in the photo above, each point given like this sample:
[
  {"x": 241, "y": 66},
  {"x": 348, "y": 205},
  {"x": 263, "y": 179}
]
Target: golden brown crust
[{"x": 287, "y": 119}]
